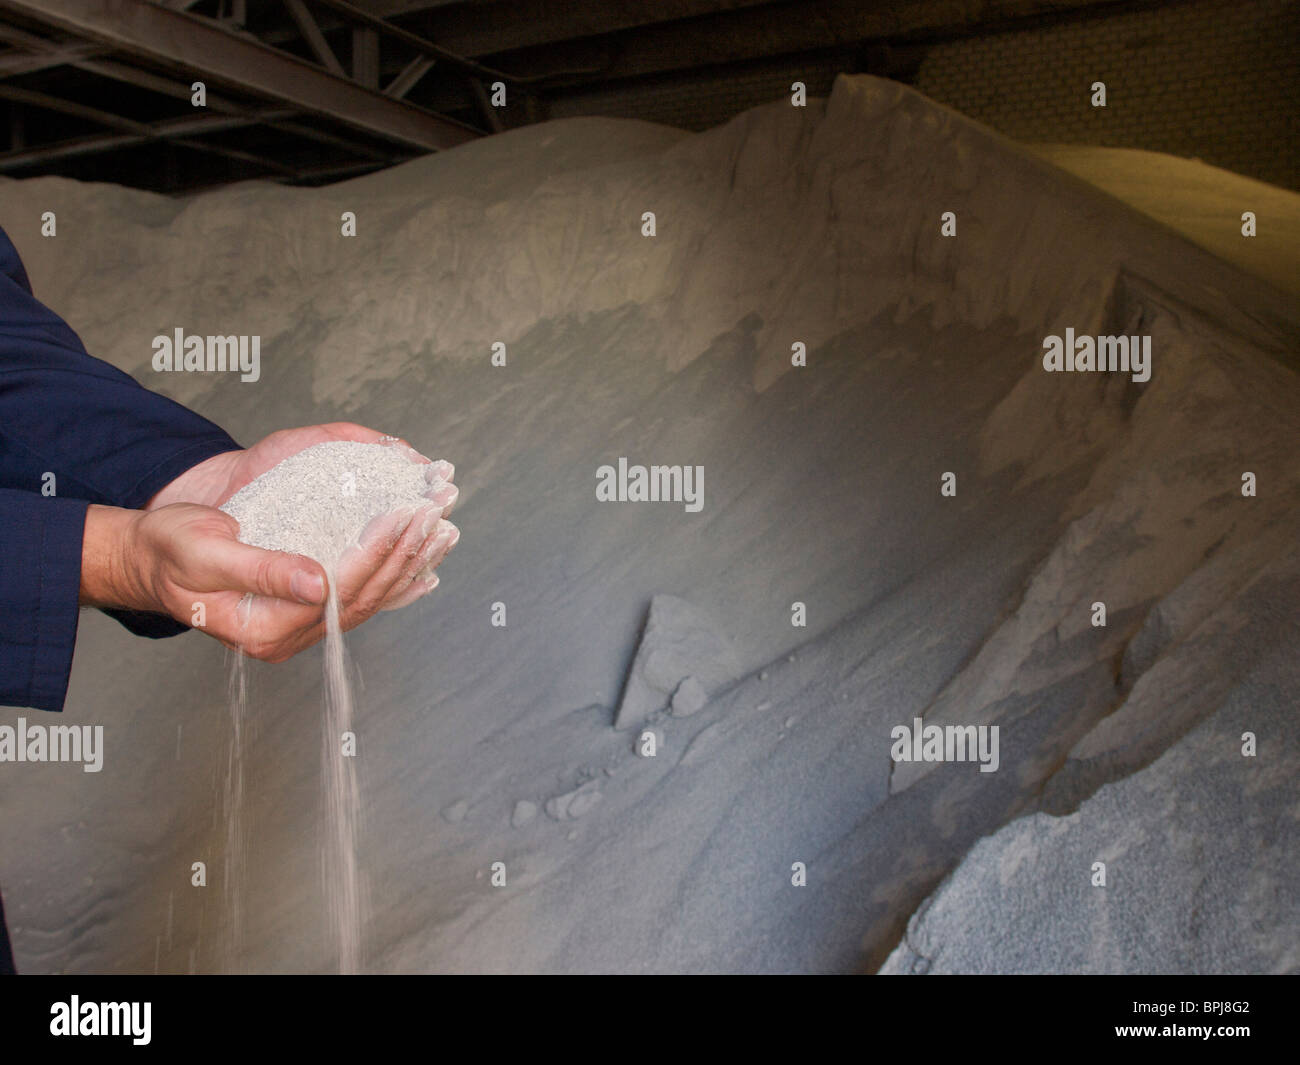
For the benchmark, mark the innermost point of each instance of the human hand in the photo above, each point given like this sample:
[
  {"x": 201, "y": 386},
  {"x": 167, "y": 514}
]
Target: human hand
[
  {"x": 391, "y": 567},
  {"x": 185, "y": 560}
]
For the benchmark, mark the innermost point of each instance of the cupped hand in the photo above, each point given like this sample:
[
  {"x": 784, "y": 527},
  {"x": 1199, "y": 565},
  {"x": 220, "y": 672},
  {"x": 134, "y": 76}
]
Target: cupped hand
[{"x": 392, "y": 565}]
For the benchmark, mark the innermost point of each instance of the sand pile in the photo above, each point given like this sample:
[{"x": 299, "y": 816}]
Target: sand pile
[{"x": 508, "y": 825}]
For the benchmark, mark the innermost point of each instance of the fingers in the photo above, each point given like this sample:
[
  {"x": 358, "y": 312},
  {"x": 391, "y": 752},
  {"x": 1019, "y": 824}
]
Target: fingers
[
  {"x": 419, "y": 578},
  {"x": 238, "y": 567},
  {"x": 444, "y": 495},
  {"x": 271, "y": 630},
  {"x": 368, "y": 571},
  {"x": 425, "y": 582},
  {"x": 390, "y": 570}
]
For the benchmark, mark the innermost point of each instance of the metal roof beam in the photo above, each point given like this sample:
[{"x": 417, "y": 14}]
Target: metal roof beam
[
  {"x": 199, "y": 47},
  {"x": 73, "y": 55},
  {"x": 27, "y": 62},
  {"x": 178, "y": 130},
  {"x": 168, "y": 87},
  {"x": 315, "y": 39},
  {"x": 485, "y": 107},
  {"x": 409, "y": 77},
  {"x": 357, "y": 17},
  {"x": 365, "y": 57}
]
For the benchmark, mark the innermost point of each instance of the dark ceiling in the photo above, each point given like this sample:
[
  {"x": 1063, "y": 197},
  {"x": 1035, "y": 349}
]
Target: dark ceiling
[{"x": 312, "y": 91}]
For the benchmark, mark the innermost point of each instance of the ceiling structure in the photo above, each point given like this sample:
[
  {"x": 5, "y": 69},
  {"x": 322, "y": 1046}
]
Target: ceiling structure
[{"x": 314, "y": 91}]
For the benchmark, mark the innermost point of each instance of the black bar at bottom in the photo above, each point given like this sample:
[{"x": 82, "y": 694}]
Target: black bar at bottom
[{"x": 338, "y": 1016}]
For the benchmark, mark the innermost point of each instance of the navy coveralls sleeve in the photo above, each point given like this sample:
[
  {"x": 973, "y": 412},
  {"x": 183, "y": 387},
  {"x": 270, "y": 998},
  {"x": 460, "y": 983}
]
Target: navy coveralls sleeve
[{"x": 106, "y": 439}]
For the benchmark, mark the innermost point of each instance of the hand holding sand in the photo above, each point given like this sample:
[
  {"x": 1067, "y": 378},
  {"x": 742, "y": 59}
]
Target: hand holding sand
[{"x": 364, "y": 507}]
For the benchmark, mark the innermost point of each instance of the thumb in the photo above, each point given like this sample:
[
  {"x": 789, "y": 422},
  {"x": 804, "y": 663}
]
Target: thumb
[{"x": 275, "y": 574}]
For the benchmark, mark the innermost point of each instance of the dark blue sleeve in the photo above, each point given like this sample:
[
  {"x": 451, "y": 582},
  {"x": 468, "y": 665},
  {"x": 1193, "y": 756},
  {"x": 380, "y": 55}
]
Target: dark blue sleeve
[
  {"x": 106, "y": 439},
  {"x": 40, "y": 576}
]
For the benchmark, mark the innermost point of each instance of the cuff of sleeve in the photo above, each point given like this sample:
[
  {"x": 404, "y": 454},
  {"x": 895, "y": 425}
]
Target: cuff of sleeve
[
  {"x": 155, "y": 626},
  {"x": 56, "y": 533},
  {"x": 172, "y": 467}
]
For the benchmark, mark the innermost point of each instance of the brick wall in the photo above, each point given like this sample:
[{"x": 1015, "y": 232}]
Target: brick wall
[
  {"x": 1206, "y": 79},
  {"x": 1211, "y": 80},
  {"x": 702, "y": 100}
]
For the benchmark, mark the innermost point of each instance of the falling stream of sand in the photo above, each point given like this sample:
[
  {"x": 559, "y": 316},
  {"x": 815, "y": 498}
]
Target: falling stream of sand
[
  {"x": 340, "y": 870},
  {"x": 232, "y": 806},
  {"x": 317, "y": 503},
  {"x": 342, "y": 795}
]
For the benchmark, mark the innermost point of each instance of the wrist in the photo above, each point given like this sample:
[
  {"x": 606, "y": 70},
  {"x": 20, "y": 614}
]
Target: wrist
[
  {"x": 109, "y": 570},
  {"x": 206, "y": 482}
]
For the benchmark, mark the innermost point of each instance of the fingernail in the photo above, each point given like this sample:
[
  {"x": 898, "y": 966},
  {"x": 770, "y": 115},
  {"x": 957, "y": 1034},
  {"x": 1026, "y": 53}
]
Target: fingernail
[
  {"x": 307, "y": 588},
  {"x": 431, "y": 519},
  {"x": 454, "y": 539},
  {"x": 445, "y": 495},
  {"x": 443, "y": 470},
  {"x": 439, "y": 540}
]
